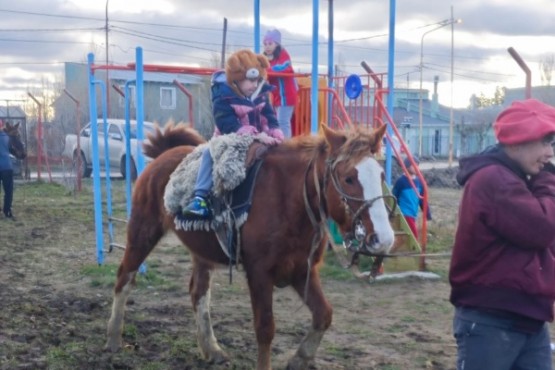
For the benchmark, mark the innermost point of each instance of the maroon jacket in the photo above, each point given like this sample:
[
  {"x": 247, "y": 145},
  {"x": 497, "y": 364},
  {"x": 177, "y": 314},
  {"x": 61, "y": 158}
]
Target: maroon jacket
[{"x": 504, "y": 253}]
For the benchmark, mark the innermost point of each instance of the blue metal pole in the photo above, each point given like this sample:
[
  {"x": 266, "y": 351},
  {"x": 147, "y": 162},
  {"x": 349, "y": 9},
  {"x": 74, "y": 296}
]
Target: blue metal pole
[
  {"x": 139, "y": 88},
  {"x": 314, "y": 76},
  {"x": 257, "y": 26},
  {"x": 105, "y": 103},
  {"x": 97, "y": 191},
  {"x": 139, "y": 100},
  {"x": 390, "y": 87},
  {"x": 330, "y": 58}
]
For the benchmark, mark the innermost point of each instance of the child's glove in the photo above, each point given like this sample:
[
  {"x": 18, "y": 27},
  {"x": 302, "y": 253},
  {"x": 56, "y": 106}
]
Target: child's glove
[
  {"x": 247, "y": 130},
  {"x": 264, "y": 138},
  {"x": 277, "y": 134}
]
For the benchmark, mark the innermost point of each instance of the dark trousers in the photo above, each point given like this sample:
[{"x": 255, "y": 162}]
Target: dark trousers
[
  {"x": 6, "y": 178},
  {"x": 486, "y": 341}
]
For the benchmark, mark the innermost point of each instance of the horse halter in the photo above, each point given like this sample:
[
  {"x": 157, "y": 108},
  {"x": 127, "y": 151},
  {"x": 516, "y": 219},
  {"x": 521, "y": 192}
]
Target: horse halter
[{"x": 358, "y": 234}]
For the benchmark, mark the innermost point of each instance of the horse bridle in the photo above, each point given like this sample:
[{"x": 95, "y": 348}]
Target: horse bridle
[
  {"x": 358, "y": 231},
  {"x": 321, "y": 226}
]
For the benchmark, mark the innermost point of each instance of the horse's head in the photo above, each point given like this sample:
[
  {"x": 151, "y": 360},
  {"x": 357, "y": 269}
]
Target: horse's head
[
  {"x": 16, "y": 147},
  {"x": 354, "y": 193}
]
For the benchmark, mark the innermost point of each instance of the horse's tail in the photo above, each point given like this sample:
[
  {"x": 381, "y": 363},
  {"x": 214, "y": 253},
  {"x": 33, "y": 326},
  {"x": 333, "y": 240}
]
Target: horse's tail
[{"x": 171, "y": 137}]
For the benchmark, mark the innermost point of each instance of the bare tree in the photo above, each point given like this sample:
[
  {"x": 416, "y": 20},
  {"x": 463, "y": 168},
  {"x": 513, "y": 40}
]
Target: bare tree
[{"x": 546, "y": 69}]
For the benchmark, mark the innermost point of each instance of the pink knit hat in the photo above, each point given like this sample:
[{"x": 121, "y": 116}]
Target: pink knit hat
[
  {"x": 273, "y": 35},
  {"x": 523, "y": 121}
]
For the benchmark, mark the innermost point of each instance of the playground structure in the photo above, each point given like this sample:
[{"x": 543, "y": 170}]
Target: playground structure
[{"x": 352, "y": 100}]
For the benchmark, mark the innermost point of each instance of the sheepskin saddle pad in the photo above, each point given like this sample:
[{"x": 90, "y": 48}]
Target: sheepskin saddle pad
[{"x": 233, "y": 173}]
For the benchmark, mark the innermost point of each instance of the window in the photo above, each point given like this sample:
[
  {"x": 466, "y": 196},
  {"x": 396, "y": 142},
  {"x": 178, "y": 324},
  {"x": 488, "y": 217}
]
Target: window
[
  {"x": 167, "y": 97},
  {"x": 133, "y": 94}
]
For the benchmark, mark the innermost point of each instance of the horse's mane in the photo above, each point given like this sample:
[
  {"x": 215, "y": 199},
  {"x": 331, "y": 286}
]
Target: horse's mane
[
  {"x": 357, "y": 143},
  {"x": 173, "y": 135}
]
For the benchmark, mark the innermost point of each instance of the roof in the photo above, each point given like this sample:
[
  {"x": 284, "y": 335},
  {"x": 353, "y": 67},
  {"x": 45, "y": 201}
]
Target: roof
[
  {"x": 155, "y": 77},
  {"x": 12, "y": 112}
]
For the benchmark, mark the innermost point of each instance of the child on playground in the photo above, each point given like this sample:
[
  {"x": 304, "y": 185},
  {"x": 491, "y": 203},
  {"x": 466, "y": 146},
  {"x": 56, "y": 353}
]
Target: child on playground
[
  {"x": 240, "y": 105},
  {"x": 409, "y": 199},
  {"x": 285, "y": 93}
]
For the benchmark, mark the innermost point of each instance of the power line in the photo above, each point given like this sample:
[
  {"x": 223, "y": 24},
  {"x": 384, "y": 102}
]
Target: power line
[{"x": 50, "y": 29}]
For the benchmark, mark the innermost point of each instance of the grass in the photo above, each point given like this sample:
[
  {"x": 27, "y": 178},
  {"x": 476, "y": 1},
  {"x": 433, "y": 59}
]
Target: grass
[{"x": 52, "y": 260}]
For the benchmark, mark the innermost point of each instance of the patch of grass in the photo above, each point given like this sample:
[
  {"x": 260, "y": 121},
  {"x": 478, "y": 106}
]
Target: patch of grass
[
  {"x": 182, "y": 347},
  {"x": 331, "y": 269},
  {"x": 60, "y": 358},
  {"x": 103, "y": 276},
  {"x": 130, "y": 332},
  {"x": 153, "y": 366}
]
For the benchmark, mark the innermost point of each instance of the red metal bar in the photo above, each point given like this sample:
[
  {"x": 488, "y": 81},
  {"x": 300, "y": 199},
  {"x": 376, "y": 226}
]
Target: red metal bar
[
  {"x": 189, "y": 97},
  {"x": 78, "y": 131},
  {"x": 424, "y": 197},
  {"x": 526, "y": 70},
  {"x": 40, "y": 151}
]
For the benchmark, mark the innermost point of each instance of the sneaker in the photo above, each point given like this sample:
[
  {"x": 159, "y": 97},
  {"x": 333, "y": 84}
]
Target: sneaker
[
  {"x": 198, "y": 207},
  {"x": 10, "y": 215}
]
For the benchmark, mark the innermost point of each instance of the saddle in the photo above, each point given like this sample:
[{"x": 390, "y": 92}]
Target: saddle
[{"x": 237, "y": 160}]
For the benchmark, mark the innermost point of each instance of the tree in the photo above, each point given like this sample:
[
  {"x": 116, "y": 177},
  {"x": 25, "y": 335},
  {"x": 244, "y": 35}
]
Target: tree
[
  {"x": 546, "y": 69},
  {"x": 483, "y": 101}
]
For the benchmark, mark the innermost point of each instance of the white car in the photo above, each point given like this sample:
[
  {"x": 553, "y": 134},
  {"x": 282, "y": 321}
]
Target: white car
[{"x": 116, "y": 146}]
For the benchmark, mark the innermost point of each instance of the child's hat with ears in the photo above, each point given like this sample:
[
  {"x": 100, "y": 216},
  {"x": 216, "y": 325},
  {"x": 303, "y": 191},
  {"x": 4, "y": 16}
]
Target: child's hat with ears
[{"x": 245, "y": 64}]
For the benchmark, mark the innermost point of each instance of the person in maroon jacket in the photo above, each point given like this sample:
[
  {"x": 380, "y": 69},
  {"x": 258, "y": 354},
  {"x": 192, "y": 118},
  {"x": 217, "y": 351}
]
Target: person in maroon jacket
[
  {"x": 285, "y": 92},
  {"x": 502, "y": 271}
]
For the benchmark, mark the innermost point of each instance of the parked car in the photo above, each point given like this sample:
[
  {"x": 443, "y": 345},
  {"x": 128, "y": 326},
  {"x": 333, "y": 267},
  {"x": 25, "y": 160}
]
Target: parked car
[{"x": 116, "y": 146}]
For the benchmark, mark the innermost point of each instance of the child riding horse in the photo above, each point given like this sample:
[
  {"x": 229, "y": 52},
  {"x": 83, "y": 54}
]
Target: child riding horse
[{"x": 302, "y": 183}]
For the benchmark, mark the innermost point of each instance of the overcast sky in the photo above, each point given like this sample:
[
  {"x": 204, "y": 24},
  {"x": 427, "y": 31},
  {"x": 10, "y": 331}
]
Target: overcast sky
[{"x": 38, "y": 36}]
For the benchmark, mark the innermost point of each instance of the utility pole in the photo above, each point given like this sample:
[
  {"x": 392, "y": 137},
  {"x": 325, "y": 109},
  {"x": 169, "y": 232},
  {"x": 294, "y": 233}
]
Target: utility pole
[
  {"x": 222, "y": 62},
  {"x": 107, "y": 70}
]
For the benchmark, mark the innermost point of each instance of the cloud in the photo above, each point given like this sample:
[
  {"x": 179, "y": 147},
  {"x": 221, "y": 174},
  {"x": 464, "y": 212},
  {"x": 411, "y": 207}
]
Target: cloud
[{"x": 37, "y": 36}]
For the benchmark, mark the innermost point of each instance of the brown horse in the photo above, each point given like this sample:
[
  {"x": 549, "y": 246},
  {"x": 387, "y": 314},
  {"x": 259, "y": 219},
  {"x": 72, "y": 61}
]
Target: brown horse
[
  {"x": 301, "y": 184},
  {"x": 15, "y": 146}
]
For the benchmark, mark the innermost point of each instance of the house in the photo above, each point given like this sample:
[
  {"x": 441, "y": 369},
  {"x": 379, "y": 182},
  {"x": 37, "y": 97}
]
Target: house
[
  {"x": 430, "y": 138},
  {"x": 167, "y": 96}
]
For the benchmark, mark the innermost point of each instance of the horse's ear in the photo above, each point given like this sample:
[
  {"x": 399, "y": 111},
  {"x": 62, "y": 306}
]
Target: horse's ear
[
  {"x": 334, "y": 138},
  {"x": 380, "y": 132}
]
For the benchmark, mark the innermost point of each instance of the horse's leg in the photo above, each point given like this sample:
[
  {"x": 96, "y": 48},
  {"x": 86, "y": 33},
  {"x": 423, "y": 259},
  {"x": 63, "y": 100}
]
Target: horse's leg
[
  {"x": 199, "y": 290},
  {"x": 143, "y": 233},
  {"x": 321, "y": 320},
  {"x": 261, "y": 292}
]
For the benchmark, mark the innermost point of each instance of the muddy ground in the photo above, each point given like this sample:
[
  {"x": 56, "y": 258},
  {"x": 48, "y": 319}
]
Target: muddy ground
[{"x": 55, "y": 301}]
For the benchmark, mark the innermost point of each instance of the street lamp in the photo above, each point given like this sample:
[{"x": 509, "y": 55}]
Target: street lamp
[{"x": 441, "y": 24}]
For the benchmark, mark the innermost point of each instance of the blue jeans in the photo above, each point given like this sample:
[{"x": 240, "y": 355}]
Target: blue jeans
[
  {"x": 6, "y": 178},
  {"x": 486, "y": 341},
  {"x": 284, "y": 114},
  {"x": 204, "y": 181}
]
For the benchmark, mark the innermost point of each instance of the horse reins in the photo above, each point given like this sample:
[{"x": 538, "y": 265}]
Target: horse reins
[{"x": 321, "y": 227}]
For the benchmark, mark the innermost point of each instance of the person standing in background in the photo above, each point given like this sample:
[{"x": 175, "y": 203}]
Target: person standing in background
[
  {"x": 6, "y": 172},
  {"x": 502, "y": 269},
  {"x": 286, "y": 89}
]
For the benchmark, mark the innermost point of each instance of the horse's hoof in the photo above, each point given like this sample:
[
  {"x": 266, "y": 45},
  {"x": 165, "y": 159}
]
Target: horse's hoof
[
  {"x": 219, "y": 358},
  {"x": 298, "y": 363},
  {"x": 112, "y": 346}
]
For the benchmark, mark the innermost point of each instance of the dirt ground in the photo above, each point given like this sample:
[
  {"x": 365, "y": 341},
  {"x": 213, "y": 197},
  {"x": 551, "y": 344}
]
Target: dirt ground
[{"x": 55, "y": 301}]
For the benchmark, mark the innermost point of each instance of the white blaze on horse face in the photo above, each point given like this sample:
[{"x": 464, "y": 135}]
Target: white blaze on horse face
[{"x": 370, "y": 177}]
